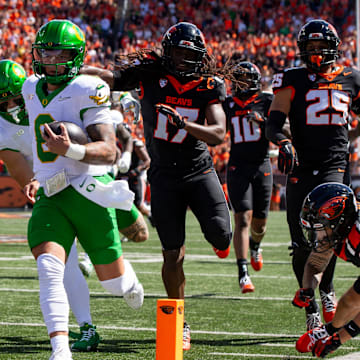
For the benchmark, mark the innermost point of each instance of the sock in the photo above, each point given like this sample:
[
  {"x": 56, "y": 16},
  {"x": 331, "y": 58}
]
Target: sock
[
  {"x": 59, "y": 342},
  {"x": 122, "y": 284},
  {"x": 53, "y": 300},
  {"x": 253, "y": 244},
  {"x": 242, "y": 266},
  {"x": 77, "y": 289}
]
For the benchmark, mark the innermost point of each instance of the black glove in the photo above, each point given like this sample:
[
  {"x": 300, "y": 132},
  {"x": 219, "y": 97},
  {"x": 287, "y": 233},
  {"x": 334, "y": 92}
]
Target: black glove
[
  {"x": 173, "y": 116},
  {"x": 287, "y": 158},
  {"x": 303, "y": 297},
  {"x": 255, "y": 117},
  {"x": 326, "y": 346}
]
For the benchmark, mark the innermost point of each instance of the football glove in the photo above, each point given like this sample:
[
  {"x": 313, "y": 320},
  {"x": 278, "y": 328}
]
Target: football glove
[
  {"x": 172, "y": 115},
  {"x": 326, "y": 346},
  {"x": 124, "y": 162},
  {"x": 303, "y": 297},
  {"x": 255, "y": 117},
  {"x": 287, "y": 158},
  {"x": 128, "y": 104}
]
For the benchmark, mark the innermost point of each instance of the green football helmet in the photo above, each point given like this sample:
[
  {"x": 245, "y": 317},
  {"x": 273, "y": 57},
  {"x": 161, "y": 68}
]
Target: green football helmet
[
  {"x": 53, "y": 39},
  {"x": 12, "y": 77}
]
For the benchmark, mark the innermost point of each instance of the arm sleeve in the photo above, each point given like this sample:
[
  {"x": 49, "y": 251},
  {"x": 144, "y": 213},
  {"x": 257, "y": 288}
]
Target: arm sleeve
[
  {"x": 273, "y": 126},
  {"x": 126, "y": 79}
]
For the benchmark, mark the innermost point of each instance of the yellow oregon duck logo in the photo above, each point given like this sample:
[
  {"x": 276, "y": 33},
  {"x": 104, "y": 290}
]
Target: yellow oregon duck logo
[
  {"x": 102, "y": 95},
  {"x": 78, "y": 33},
  {"x": 18, "y": 71}
]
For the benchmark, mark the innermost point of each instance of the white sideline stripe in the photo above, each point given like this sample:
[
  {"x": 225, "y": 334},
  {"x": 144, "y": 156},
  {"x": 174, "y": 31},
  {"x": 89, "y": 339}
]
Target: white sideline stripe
[
  {"x": 279, "y": 357},
  {"x": 292, "y": 346},
  {"x": 164, "y": 295},
  {"x": 253, "y": 276},
  {"x": 154, "y": 329},
  {"x": 354, "y": 356}
]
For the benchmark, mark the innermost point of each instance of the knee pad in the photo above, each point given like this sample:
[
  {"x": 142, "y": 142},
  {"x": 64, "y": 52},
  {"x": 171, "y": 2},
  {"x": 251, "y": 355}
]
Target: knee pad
[
  {"x": 255, "y": 234},
  {"x": 53, "y": 300},
  {"x": 122, "y": 284}
]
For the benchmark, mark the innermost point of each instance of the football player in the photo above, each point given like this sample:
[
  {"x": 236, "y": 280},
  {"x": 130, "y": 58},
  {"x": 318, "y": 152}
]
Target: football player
[
  {"x": 330, "y": 219},
  {"x": 86, "y": 209},
  {"x": 15, "y": 151},
  {"x": 317, "y": 98},
  {"x": 249, "y": 175},
  {"x": 175, "y": 100},
  {"x": 140, "y": 163}
]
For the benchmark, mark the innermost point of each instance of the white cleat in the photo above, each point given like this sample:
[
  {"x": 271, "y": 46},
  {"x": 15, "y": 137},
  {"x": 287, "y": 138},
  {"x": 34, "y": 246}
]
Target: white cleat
[
  {"x": 135, "y": 297},
  {"x": 86, "y": 266},
  {"x": 62, "y": 354}
]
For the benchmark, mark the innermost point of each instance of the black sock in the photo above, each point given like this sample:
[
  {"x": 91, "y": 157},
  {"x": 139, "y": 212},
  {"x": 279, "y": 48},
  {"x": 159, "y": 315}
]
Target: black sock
[
  {"x": 242, "y": 265},
  {"x": 253, "y": 244}
]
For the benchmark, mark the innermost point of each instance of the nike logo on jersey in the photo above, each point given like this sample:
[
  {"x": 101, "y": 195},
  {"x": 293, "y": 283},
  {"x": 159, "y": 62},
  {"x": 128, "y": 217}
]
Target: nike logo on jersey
[
  {"x": 64, "y": 98},
  {"x": 267, "y": 174},
  {"x": 347, "y": 73}
]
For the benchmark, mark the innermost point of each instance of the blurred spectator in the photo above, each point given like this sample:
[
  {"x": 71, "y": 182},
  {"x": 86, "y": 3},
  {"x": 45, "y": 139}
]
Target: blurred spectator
[{"x": 261, "y": 31}]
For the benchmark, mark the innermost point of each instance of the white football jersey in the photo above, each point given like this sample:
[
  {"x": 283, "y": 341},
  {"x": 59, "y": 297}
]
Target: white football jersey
[
  {"x": 68, "y": 103},
  {"x": 15, "y": 137}
]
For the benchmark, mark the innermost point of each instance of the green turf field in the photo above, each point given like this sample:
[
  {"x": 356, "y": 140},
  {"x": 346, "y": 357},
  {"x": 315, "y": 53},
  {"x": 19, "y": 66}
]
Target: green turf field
[{"x": 225, "y": 324}]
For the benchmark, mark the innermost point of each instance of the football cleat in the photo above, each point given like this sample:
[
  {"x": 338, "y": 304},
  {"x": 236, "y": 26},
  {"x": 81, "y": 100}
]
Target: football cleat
[
  {"x": 89, "y": 339},
  {"x": 307, "y": 341},
  {"x": 124, "y": 239},
  {"x": 329, "y": 304},
  {"x": 61, "y": 354},
  {"x": 222, "y": 254},
  {"x": 74, "y": 335},
  {"x": 246, "y": 285},
  {"x": 86, "y": 266},
  {"x": 313, "y": 321},
  {"x": 186, "y": 337},
  {"x": 135, "y": 297},
  {"x": 256, "y": 259}
]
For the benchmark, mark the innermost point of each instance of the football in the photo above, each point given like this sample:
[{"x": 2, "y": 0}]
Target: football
[{"x": 76, "y": 134}]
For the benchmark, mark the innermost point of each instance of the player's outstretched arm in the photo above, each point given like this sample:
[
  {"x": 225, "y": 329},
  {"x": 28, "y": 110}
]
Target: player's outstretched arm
[{"x": 104, "y": 74}]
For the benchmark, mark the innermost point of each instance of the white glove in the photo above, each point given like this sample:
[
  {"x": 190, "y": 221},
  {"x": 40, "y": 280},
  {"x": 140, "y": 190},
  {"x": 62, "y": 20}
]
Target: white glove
[
  {"x": 124, "y": 162},
  {"x": 129, "y": 103}
]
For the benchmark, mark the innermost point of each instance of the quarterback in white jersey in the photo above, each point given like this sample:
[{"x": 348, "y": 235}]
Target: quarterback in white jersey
[
  {"x": 15, "y": 151},
  {"x": 76, "y": 197},
  {"x": 84, "y": 101}
]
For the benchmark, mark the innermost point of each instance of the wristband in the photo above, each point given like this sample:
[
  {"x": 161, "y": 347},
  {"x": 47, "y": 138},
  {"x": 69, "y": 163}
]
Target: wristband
[
  {"x": 126, "y": 156},
  {"x": 352, "y": 328},
  {"x": 76, "y": 151}
]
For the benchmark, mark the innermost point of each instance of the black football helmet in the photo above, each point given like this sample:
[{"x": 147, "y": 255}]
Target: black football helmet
[
  {"x": 187, "y": 36},
  {"x": 318, "y": 30},
  {"x": 330, "y": 207},
  {"x": 249, "y": 73}
]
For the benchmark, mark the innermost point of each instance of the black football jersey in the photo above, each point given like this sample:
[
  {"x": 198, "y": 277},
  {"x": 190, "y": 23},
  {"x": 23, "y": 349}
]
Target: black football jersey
[
  {"x": 248, "y": 141},
  {"x": 319, "y": 113},
  {"x": 171, "y": 149}
]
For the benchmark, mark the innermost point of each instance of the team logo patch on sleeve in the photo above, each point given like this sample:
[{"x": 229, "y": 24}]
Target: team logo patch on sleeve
[
  {"x": 101, "y": 96},
  {"x": 163, "y": 82}
]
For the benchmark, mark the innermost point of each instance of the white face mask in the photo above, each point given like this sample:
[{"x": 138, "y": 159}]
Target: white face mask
[{"x": 14, "y": 112}]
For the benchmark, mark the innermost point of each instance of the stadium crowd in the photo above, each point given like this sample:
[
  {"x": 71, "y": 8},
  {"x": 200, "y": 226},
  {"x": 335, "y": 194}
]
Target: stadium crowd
[{"x": 261, "y": 31}]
